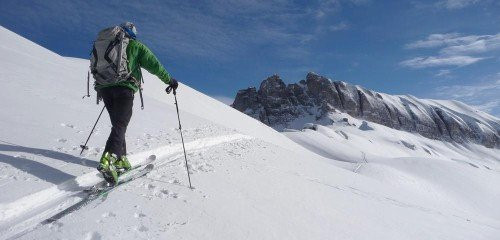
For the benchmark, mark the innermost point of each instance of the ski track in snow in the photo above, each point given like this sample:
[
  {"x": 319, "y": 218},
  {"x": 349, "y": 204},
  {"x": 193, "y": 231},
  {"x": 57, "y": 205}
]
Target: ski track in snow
[
  {"x": 163, "y": 186},
  {"x": 65, "y": 194}
]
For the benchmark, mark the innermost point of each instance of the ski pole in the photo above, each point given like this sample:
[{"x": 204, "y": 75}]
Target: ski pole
[
  {"x": 88, "y": 85},
  {"x": 140, "y": 89},
  {"x": 84, "y": 147},
  {"x": 168, "y": 90}
]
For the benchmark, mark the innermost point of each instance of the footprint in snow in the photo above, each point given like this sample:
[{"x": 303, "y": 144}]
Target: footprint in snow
[
  {"x": 142, "y": 228},
  {"x": 62, "y": 140},
  {"x": 174, "y": 181},
  {"x": 108, "y": 214},
  {"x": 164, "y": 193},
  {"x": 200, "y": 167},
  {"x": 139, "y": 215},
  {"x": 67, "y": 125},
  {"x": 55, "y": 225},
  {"x": 93, "y": 236}
]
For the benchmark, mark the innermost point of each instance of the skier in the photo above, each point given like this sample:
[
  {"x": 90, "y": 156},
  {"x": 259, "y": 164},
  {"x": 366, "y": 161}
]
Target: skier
[{"x": 118, "y": 96}]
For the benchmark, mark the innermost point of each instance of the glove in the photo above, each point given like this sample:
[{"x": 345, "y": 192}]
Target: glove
[{"x": 173, "y": 84}]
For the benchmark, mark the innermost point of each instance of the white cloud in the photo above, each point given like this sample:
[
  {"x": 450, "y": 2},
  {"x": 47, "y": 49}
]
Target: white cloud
[
  {"x": 443, "y": 73},
  {"x": 483, "y": 95},
  {"x": 446, "y": 4},
  {"x": 492, "y": 107},
  {"x": 424, "y": 62},
  {"x": 454, "y": 49},
  {"x": 438, "y": 40},
  {"x": 468, "y": 91},
  {"x": 338, "y": 27},
  {"x": 454, "y": 43},
  {"x": 476, "y": 44},
  {"x": 456, "y": 4}
]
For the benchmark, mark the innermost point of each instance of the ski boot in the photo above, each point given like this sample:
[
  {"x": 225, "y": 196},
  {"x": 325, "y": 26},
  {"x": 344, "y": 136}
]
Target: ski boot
[
  {"x": 107, "y": 168},
  {"x": 122, "y": 165}
]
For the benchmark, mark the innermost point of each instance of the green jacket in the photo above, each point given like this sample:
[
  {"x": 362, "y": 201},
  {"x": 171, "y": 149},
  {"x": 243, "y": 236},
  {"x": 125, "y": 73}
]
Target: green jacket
[{"x": 140, "y": 56}]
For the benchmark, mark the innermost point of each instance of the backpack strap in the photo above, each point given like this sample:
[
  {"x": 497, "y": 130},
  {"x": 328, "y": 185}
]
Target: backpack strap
[
  {"x": 96, "y": 59},
  {"x": 108, "y": 50},
  {"x": 94, "y": 52}
]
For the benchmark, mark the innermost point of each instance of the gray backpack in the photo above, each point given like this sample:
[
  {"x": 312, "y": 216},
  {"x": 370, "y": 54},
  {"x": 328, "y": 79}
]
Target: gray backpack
[{"x": 108, "y": 61}]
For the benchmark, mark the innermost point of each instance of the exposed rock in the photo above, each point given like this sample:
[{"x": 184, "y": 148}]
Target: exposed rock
[
  {"x": 275, "y": 97},
  {"x": 323, "y": 92},
  {"x": 248, "y": 100},
  {"x": 277, "y": 105},
  {"x": 310, "y": 126},
  {"x": 409, "y": 145},
  {"x": 365, "y": 127}
]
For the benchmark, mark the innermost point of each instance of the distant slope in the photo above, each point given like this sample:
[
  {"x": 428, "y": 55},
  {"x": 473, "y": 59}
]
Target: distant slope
[{"x": 315, "y": 98}]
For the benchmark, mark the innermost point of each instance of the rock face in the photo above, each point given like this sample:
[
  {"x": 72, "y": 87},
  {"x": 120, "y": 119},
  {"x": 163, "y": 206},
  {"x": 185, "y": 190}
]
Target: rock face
[{"x": 277, "y": 105}]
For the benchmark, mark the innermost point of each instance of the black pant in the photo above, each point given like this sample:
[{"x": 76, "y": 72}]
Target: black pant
[{"x": 118, "y": 102}]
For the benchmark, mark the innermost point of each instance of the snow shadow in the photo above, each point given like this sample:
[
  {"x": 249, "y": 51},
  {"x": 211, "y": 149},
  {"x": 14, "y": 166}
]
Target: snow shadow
[
  {"x": 43, "y": 152},
  {"x": 36, "y": 169}
]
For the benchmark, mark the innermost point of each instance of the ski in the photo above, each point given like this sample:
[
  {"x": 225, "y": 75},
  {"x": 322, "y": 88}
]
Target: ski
[
  {"x": 103, "y": 191},
  {"x": 95, "y": 192},
  {"x": 103, "y": 188}
]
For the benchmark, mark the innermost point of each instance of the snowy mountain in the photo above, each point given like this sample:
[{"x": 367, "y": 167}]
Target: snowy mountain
[
  {"x": 317, "y": 98},
  {"x": 251, "y": 182}
]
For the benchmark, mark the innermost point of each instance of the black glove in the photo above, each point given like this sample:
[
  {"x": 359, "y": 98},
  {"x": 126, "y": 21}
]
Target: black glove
[{"x": 173, "y": 84}]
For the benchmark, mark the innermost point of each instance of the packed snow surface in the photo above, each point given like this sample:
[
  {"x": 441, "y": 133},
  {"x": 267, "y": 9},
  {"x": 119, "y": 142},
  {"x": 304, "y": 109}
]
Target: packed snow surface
[{"x": 250, "y": 182}]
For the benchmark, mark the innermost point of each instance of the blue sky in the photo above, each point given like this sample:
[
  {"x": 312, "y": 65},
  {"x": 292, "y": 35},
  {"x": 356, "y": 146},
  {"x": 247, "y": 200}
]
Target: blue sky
[{"x": 446, "y": 49}]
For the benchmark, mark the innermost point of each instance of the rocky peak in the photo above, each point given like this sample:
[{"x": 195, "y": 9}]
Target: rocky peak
[
  {"x": 272, "y": 85},
  {"x": 315, "y": 79},
  {"x": 323, "y": 92},
  {"x": 247, "y": 99},
  {"x": 277, "y": 105}
]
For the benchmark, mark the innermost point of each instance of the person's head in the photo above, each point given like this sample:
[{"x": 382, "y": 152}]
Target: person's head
[{"x": 130, "y": 29}]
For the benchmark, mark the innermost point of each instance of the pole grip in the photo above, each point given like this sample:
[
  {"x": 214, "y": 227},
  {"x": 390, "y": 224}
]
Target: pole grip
[{"x": 170, "y": 89}]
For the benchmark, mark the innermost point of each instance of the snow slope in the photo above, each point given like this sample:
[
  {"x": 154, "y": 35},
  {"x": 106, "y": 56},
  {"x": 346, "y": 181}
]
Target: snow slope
[
  {"x": 409, "y": 161},
  {"x": 250, "y": 181}
]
